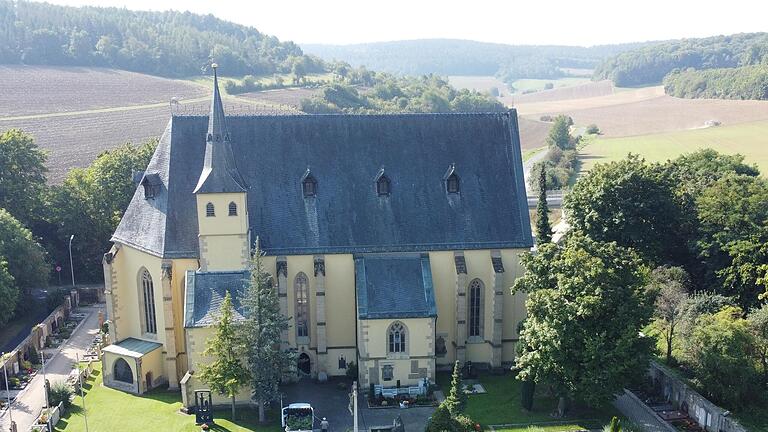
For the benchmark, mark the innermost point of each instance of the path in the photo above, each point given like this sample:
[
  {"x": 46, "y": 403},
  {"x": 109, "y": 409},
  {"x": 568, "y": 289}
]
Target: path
[
  {"x": 528, "y": 166},
  {"x": 640, "y": 415},
  {"x": 31, "y": 400}
]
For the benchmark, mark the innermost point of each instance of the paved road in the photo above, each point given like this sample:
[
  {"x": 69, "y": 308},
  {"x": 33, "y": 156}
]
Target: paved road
[
  {"x": 31, "y": 400},
  {"x": 528, "y": 165}
]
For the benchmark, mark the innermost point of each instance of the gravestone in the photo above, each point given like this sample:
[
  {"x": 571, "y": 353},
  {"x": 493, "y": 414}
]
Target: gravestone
[{"x": 203, "y": 407}]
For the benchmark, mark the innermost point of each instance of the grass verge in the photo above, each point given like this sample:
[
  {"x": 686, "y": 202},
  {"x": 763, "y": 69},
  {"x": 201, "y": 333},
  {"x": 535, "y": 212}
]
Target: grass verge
[{"x": 110, "y": 410}]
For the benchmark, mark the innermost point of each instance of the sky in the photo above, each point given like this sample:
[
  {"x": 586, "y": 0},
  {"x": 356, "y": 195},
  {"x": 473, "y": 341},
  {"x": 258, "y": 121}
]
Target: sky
[{"x": 586, "y": 22}]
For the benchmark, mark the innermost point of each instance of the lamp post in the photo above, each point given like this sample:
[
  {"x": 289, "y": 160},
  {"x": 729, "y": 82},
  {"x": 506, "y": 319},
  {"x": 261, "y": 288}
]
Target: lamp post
[{"x": 71, "y": 265}]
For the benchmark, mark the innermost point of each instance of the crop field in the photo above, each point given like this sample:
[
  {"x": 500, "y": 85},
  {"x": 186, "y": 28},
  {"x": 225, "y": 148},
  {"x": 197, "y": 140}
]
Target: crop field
[
  {"x": 579, "y": 91},
  {"x": 537, "y": 85},
  {"x": 27, "y": 90},
  {"x": 618, "y": 97},
  {"x": 748, "y": 139},
  {"x": 533, "y": 133}
]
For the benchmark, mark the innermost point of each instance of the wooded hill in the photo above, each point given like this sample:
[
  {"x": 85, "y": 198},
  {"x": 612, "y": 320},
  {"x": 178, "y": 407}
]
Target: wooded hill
[
  {"x": 650, "y": 64},
  {"x": 160, "y": 43},
  {"x": 464, "y": 57}
]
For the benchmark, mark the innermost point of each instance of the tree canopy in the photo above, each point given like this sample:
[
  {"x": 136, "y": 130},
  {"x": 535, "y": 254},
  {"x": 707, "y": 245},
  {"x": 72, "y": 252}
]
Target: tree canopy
[
  {"x": 22, "y": 176},
  {"x": 586, "y": 306}
]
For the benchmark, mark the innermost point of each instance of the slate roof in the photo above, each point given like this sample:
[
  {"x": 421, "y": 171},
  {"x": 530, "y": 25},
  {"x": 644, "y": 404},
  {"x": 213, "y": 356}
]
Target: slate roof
[
  {"x": 205, "y": 292},
  {"x": 344, "y": 154},
  {"x": 394, "y": 286},
  {"x": 132, "y": 347}
]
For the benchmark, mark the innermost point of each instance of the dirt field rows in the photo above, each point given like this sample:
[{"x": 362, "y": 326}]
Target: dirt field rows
[
  {"x": 580, "y": 91},
  {"x": 26, "y": 90}
]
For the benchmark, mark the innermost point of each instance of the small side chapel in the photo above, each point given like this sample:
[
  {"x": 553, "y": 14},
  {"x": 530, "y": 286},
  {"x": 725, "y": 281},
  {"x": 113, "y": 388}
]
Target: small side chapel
[{"x": 393, "y": 241}]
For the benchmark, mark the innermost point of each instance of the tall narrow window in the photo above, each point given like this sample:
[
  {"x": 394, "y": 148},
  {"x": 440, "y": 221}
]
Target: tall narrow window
[
  {"x": 309, "y": 185},
  {"x": 397, "y": 338},
  {"x": 148, "y": 302},
  {"x": 475, "y": 308},
  {"x": 452, "y": 184},
  {"x": 232, "y": 209},
  {"x": 301, "y": 285},
  {"x": 383, "y": 186},
  {"x": 210, "y": 211}
]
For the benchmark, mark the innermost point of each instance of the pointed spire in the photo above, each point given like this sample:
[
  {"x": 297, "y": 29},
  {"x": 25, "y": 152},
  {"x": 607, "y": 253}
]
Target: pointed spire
[{"x": 220, "y": 172}]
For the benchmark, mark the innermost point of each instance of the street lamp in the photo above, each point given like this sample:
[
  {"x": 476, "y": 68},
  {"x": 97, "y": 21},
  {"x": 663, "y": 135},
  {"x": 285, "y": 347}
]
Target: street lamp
[{"x": 71, "y": 265}]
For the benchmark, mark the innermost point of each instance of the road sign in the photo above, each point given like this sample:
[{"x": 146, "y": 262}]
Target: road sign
[{"x": 58, "y": 268}]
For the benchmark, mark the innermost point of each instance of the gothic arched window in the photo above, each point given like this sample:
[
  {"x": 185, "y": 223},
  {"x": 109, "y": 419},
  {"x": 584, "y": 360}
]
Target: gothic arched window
[
  {"x": 232, "y": 209},
  {"x": 149, "y": 323},
  {"x": 452, "y": 183},
  {"x": 396, "y": 336},
  {"x": 121, "y": 371},
  {"x": 301, "y": 286},
  {"x": 210, "y": 211},
  {"x": 475, "y": 308},
  {"x": 383, "y": 186}
]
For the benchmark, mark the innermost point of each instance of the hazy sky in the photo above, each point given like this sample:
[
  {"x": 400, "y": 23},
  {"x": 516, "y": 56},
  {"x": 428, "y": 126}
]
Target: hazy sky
[{"x": 586, "y": 22}]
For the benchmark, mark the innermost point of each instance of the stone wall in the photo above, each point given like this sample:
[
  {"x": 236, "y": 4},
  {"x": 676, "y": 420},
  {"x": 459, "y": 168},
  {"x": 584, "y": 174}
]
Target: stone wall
[{"x": 708, "y": 415}]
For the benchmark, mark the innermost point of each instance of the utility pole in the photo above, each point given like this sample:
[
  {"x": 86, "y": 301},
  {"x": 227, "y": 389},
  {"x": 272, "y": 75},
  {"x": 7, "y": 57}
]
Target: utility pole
[
  {"x": 45, "y": 389},
  {"x": 71, "y": 265},
  {"x": 82, "y": 394},
  {"x": 354, "y": 402},
  {"x": 8, "y": 394}
]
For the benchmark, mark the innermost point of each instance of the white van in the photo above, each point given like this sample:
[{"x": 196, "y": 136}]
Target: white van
[{"x": 298, "y": 417}]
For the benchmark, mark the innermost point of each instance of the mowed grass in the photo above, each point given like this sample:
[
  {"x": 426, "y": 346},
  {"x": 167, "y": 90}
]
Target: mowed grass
[
  {"x": 747, "y": 139},
  {"x": 111, "y": 410},
  {"x": 501, "y": 406}
]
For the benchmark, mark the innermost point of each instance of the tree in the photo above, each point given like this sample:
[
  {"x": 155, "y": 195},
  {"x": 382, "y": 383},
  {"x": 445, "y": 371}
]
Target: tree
[
  {"x": 262, "y": 328},
  {"x": 586, "y": 305},
  {"x": 543, "y": 229},
  {"x": 456, "y": 399},
  {"x": 8, "y": 293},
  {"x": 227, "y": 373},
  {"x": 718, "y": 352},
  {"x": 91, "y": 202},
  {"x": 671, "y": 284},
  {"x": 632, "y": 203},
  {"x": 733, "y": 222},
  {"x": 25, "y": 258},
  {"x": 22, "y": 176},
  {"x": 559, "y": 135},
  {"x": 758, "y": 325}
]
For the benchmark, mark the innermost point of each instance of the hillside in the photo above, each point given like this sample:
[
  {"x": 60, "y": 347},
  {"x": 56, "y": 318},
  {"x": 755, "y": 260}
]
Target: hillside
[
  {"x": 464, "y": 57},
  {"x": 746, "y": 82},
  {"x": 160, "y": 43},
  {"x": 651, "y": 63}
]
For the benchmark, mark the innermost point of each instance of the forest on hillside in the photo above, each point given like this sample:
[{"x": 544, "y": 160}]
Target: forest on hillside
[
  {"x": 463, "y": 57},
  {"x": 160, "y": 43},
  {"x": 746, "y": 82},
  {"x": 651, "y": 63}
]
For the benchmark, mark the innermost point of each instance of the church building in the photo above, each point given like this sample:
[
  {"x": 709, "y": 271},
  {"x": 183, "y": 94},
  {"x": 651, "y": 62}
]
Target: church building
[{"x": 392, "y": 240}]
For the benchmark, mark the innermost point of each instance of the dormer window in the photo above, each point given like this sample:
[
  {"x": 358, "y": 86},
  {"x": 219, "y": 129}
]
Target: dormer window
[
  {"x": 210, "y": 211},
  {"x": 452, "y": 181},
  {"x": 152, "y": 184},
  {"x": 383, "y": 184},
  {"x": 308, "y": 184},
  {"x": 232, "y": 209},
  {"x": 209, "y": 138}
]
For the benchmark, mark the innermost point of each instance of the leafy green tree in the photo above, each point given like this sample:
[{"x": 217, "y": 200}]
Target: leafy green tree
[
  {"x": 90, "y": 203},
  {"x": 9, "y": 294},
  {"x": 559, "y": 135},
  {"x": 758, "y": 325},
  {"x": 543, "y": 228},
  {"x": 733, "y": 215},
  {"x": 632, "y": 203},
  {"x": 671, "y": 285},
  {"x": 261, "y": 331},
  {"x": 227, "y": 373},
  {"x": 22, "y": 176},
  {"x": 25, "y": 258},
  {"x": 719, "y": 354},
  {"x": 586, "y": 305}
]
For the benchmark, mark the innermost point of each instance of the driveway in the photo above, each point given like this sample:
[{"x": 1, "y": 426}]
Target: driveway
[
  {"x": 31, "y": 400},
  {"x": 331, "y": 402}
]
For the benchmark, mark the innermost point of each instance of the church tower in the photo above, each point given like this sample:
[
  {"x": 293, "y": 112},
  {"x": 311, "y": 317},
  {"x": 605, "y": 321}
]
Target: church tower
[{"x": 222, "y": 201}]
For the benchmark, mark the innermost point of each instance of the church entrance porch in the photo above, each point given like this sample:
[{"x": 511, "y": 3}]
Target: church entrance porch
[
  {"x": 133, "y": 365},
  {"x": 304, "y": 365}
]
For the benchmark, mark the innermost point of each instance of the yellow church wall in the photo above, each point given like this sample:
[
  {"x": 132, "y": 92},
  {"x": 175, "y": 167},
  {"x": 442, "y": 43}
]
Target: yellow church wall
[
  {"x": 127, "y": 265},
  {"x": 179, "y": 269},
  {"x": 444, "y": 282},
  {"x": 301, "y": 264},
  {"x": 196, "y": 341},
  {"x": 108, "y": 363},
  {"x": 152, "y": 363},
  {"x": 223, "y": 239},
  {"x": 340, "y": 303},
  {"x": 419, "y": 347},
  {"x": 479, "y": 266},
  {"x": 514, "y": 305}
]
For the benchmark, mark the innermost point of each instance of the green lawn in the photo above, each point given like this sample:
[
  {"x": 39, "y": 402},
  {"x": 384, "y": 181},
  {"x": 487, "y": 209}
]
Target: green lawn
[
  {"x": 501, "y": 406},
  {"x": 111, "y": 410},
  {"x": 523, "y": 85},
  {"x": 527, "y": 154},
  {"x": 748, "y": 139}
]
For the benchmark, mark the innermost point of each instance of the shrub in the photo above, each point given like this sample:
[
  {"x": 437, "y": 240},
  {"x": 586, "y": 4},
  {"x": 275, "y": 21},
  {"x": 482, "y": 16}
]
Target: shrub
[
  {"x": 34, "y": 357},
  {"x": 441, "y": 420},
  {"x": 549, "y": 86},
  {"x": 463, "y": 423},
  {"x": 60, "y": 392},
  {"x": 593, "y": 129},
  {"x": 352, "y": 370}
]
